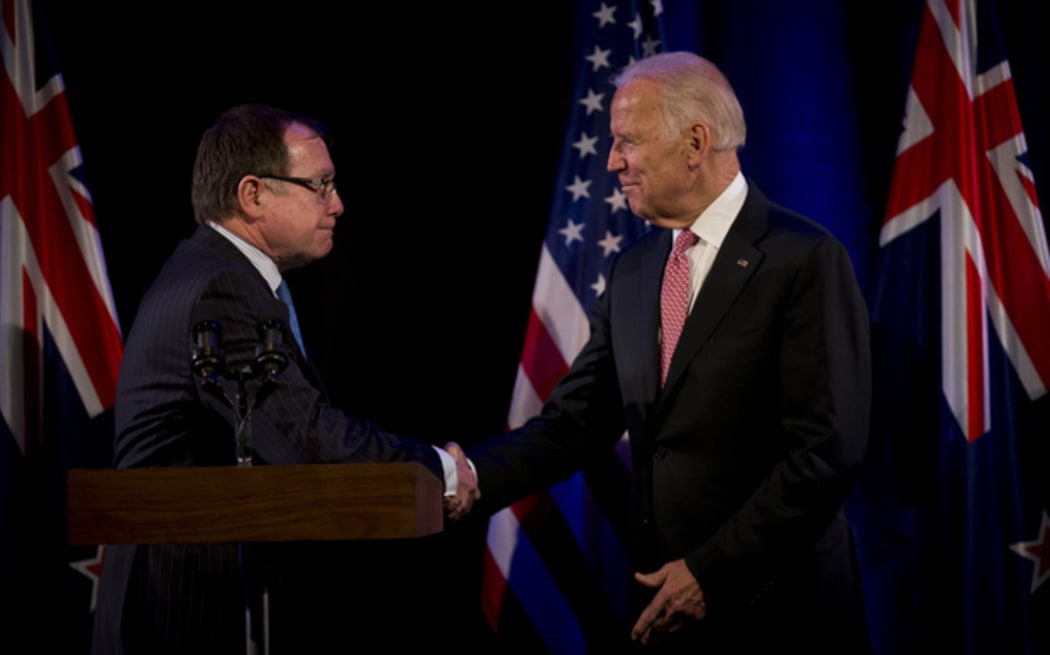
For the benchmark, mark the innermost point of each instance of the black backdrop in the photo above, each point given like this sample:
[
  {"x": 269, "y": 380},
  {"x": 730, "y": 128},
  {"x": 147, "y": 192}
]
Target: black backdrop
[
  {"x": 445, "y": 164},
  {"x": 448, "y": 124}
]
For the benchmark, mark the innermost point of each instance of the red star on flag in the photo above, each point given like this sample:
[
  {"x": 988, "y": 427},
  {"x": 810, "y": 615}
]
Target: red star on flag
[
  {"x": 92, "y": 568},
  {"x": 1039, "y": 552}
]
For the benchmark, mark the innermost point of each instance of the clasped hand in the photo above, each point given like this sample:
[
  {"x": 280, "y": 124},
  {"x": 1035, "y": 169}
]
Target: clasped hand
[
  {"x": 467, "y": 490},
  {"x": 679, "y": 599}
]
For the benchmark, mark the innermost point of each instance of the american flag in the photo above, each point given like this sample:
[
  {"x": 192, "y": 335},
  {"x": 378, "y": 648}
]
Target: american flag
[
  {"x": 954, "y": 535},
  {"x": 60, "y": 341},
  {"x": 555, "y": 571}
]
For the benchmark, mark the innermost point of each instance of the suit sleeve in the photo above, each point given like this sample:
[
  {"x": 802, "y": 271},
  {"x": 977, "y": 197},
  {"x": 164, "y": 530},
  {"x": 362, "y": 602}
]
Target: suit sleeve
[
  {"x": 166, "y": 417},
  {"x": 581, "y": 421},
  {"x": 293, "y": 422}
]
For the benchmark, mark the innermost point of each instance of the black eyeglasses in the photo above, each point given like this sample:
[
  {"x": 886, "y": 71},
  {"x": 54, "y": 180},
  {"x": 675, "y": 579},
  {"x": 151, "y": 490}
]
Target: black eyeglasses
[{"x": 325, "y": 187}]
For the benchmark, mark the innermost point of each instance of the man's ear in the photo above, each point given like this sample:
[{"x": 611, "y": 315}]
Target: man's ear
[
  {"x": 250, "y": 196},
  {"x": 698, "y": 144}
]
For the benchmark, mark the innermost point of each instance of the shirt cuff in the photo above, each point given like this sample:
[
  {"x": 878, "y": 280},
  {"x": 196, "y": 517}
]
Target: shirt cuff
[{"x": 448, "y": 463}]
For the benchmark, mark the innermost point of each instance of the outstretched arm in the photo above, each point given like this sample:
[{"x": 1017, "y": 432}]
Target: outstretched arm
[{"x": 458, "y": 505}]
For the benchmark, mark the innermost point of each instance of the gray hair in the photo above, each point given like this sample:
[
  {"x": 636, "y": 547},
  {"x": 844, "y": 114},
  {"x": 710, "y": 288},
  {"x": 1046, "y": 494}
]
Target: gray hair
[{"x": 692, "y": 89}]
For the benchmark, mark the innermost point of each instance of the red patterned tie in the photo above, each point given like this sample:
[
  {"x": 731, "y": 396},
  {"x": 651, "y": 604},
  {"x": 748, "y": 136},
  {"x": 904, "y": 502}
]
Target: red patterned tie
[{"x": 674, "y": 299}]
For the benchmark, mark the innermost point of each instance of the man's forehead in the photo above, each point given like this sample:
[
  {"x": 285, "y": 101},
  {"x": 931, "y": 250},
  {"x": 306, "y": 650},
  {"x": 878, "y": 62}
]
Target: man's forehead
[
  {"x": 305, "y": 145},
  {"x": 635, "y": 108},
  {"x": 297, "y": 132}
]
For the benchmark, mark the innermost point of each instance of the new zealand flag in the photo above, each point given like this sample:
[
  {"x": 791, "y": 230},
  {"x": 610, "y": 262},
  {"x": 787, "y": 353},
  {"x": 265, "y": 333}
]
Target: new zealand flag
[
  {"x": 60, "y": 346},
  {"x": 952, "y": 511}
]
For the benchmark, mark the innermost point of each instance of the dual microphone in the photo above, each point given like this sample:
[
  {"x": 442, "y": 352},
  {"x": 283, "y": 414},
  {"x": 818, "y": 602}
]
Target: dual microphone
[{"x": 208, "y": 359}]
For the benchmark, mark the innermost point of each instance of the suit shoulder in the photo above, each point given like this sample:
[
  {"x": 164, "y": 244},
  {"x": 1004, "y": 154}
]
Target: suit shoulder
[
  {"x": 194, "y": 270},
  {"x": 200, "y": 258},
  {"x": 782, "y": 219},
  {"x": 791, "y": 232},
  {"x": 761, "y": 219}
]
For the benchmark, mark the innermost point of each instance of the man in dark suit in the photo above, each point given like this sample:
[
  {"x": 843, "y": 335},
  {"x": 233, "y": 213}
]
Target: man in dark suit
[
  {"x": 264, "y": 195},
  {"x": 745, "y": 436}
]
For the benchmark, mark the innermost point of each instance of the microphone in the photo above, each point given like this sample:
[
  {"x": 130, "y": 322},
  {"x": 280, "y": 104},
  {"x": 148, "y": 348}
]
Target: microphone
[
  {"x": 207, "y": 357},
  {"x": 270, "y": 357}
]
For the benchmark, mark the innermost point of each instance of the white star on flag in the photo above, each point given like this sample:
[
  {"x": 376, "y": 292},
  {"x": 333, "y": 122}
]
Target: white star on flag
[
  {"x": 1037, "y": 550},
  {"x": 610, "y": 243},
  {"x": 586, "y": 145},
  {"x": 600, "y": 58},
  {"x": 572, "y": 232},
  {"x": 599, "y": 286},
  {"x": 636, "y": 25},
  {"x": 593, "y": 101},
  {"x": 617, "y": 200},
  {"x": 579, "y": 188},
  {"x": 605, "y": 15}
]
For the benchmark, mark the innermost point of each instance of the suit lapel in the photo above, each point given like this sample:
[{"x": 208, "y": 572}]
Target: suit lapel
[
  {"x": 737, "y": 261},
  {"x": 217, "y": 245}
]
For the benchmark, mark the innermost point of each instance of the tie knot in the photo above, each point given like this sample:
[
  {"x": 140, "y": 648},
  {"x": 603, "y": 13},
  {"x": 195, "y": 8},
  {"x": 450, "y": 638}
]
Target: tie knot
[{"x": 686, "y": 239}]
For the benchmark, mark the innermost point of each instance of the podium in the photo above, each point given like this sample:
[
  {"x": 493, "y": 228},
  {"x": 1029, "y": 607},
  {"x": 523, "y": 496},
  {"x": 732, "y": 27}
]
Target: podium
[
  {"x": 253, "y": 504},
  {"x": 298, "y": 502}
]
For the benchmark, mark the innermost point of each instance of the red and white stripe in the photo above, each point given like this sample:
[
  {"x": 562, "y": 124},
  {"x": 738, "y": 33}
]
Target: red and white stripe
[
  {"x": 52, "y": 270},
  {"x": 556, "y": 332}
]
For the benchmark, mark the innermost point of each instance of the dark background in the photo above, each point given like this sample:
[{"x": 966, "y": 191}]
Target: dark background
[
  {"x": 448, "y": 123},
  {"x": 446, "y": 136}
]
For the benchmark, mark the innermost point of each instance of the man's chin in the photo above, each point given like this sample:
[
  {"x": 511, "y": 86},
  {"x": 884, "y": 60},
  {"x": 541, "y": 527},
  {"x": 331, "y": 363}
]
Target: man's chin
[
  {"x": 324, "y": 248},
  {"x": 639, "y": 211}
]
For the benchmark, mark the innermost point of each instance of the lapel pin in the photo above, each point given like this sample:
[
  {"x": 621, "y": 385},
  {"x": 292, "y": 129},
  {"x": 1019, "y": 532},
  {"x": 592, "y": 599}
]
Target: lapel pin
[{"x": 742, "y": 263}]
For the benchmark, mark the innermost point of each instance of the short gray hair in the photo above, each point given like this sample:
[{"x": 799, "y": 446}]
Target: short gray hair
[{"x": 692, "y": 89}]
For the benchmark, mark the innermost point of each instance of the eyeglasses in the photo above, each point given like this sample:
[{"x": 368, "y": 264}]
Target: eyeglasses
[{"x": 325, "y": 187}]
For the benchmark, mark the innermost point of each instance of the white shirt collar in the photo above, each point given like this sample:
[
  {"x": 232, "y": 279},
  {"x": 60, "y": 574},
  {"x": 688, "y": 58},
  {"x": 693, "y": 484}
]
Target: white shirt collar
[
  {"x": 258, "y": 258},
  {"x": 713, "y": 223}
]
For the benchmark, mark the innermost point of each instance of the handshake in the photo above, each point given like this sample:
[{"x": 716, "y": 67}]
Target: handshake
[{"x": 457, "y": 505}]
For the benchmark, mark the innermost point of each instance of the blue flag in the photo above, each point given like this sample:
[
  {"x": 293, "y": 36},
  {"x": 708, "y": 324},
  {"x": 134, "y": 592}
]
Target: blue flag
[{"x": 951, "y": 512}]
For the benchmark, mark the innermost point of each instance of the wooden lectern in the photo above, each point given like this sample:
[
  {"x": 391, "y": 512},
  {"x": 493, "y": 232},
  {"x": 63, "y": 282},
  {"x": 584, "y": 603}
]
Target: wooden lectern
[{"x": 300, "y": 502}]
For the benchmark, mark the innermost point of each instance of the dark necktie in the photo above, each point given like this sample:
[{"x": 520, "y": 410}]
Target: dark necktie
[
  {"x": 674, "y": 299},
  {"x": 293, "y": 321}
]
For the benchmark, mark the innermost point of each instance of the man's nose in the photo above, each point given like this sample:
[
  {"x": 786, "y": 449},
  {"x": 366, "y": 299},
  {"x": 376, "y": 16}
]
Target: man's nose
[{"x": 335, "y": 205}]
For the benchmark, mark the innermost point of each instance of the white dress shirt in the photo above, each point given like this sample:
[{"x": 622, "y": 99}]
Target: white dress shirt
[{"x": 711, "y": 226}]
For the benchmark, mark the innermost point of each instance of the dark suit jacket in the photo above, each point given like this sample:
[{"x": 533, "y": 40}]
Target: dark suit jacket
[
  {"x": 742, "y": 463},
  {"x": 190, "y": 598}
]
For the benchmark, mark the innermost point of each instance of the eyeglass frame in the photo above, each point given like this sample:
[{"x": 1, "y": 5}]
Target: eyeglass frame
[{"x": 318, "y": 186}]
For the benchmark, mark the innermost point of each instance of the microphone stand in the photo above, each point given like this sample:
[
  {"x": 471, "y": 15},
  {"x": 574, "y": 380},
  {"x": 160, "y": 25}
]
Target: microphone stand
[{"x": 209, "y": 364}]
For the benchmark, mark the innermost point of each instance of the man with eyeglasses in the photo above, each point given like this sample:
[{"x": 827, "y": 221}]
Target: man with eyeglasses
[{"x": 265, "y": 198}]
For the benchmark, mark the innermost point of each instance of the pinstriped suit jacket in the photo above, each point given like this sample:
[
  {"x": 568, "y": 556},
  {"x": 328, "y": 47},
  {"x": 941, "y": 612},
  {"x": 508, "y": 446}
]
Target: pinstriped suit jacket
[{"x": 189, "y": 598}]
